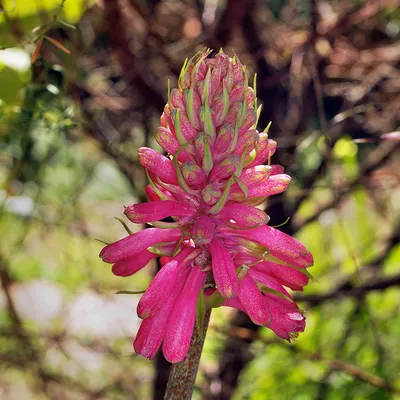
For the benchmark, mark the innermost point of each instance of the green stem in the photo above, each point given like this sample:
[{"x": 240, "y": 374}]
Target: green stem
[{"x": 183, "y": 374}]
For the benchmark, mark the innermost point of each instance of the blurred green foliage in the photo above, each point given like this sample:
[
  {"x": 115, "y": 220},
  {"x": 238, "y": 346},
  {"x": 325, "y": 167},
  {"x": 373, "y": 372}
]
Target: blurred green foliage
[{"x": 31, "y": 14}]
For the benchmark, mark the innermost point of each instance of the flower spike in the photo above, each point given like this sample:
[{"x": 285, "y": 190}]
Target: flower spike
[{"x": 214, "y": 244}]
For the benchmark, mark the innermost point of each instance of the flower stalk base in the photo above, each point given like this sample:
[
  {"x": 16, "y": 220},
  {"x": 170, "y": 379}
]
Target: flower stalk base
[{"x": 183, "y": 374}]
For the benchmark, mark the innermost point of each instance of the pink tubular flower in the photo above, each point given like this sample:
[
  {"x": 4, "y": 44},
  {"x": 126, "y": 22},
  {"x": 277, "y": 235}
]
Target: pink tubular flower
[{"x": 207, "y": 186}]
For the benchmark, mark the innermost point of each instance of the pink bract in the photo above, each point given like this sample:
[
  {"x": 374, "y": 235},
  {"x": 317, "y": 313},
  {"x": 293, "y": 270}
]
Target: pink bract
[{"x": 207, "y": 187}]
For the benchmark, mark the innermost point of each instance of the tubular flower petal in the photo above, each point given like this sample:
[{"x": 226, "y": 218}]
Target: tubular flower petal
[
  {"x": 203, "y": 230},
  {"x": 288, "y": 277},
  {"x": 254, "y": 176},
  {"x": 208, "y": 186},
  {"x": 131, "y": 265},
  {"x": 161, "y": 286},
  {"x": 224, "y": 270},
  {"x": 134, "y": 244},
  {"x": 157, "y": 193},
  {"x": 242, "y": 216},
  {"x": 180, "y": 327},
  {"x": 167, "y": 140},
  {"x": 264, "y": 149},
  {"x": 287, "y": 319},
  {"x": 273, "y": 185},
  {"x": 151, "y": 331},
  {"x": 269, "y": 281},
  {"x": 156, "y": 210},
  {"x": 158, "y": 164},
  {"x": 277, "y": 169},
  {"x": 253, "y": 301},
  {"x": 225, "y": 168},
  {"x": 193, "y": 174},
  {"x": 280, "y": 245}
]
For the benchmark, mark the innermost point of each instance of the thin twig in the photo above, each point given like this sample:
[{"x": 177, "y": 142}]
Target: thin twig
[
  {"x": 343, "y": 366},
  {"x": 376, "y": 160}
]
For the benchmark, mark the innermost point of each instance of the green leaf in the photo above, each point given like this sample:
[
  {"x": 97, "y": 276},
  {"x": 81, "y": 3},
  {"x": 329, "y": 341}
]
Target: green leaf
[
  {"x": 179, "y": 175},
  {"x": 102, "y": 242},
  {"x": 215, "y": 300},
  {"x": 175, "y": 115},
  {"x": 28, "y": 14},
  {"x": 274, "y": 292},
  {"x": 131, "y": 292},
  {"x": 178, "y": 246},
  {"x": 182, "y": 73},
  {"x": 161, "y": 249},
  {"x": 258, "y": 113},
  {"x": 266, "y": 130},
  {"x": 207, "y": 156},
  {"x": 15, "y": 67},
  {"x": 200, "y": 313},
  {"x": 255, "y": 90},
  {"x": 164, "y": 225},
  {"x": 242, "y": 186},
  {"x": 159, "y": 193},
  {"x": 66, "y": 24},
  {"x": 123, "y": 223},
  {"x": 208, "y": 122},
  {"x": 242, "y": 271},
  {"x": 224, "y": 198},
  {"x": 283, "y": 223},
  {"x": 276, "y": 260}
]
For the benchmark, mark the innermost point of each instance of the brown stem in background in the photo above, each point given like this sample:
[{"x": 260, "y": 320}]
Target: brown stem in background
[
  {"x": 126, "y": 58},
  {"x": 230, "y": 21},
  {"x": 162, "y": 366},
  {"x": 183, "y": 374}
]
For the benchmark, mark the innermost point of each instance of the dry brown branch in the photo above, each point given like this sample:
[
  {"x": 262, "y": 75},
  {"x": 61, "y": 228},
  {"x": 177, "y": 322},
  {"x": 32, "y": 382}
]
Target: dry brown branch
[
  {"x": 352, "y": 370},
  {"x": 346, "y": 289}
]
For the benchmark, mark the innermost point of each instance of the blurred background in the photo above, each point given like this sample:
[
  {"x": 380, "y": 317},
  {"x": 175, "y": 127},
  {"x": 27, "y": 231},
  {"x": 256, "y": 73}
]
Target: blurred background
[{"x": 82, "y": 86}]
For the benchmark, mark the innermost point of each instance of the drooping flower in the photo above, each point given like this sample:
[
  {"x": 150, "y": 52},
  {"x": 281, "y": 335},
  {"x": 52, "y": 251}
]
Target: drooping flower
[{"x": 216, "y": 241}]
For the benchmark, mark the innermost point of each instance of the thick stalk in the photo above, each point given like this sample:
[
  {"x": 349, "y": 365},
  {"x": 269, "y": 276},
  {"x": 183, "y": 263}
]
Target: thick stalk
[{"x": 183, "y": 374}]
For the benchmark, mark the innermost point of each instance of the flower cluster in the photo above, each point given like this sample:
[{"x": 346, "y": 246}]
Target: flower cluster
[{"x": 217, "y": 246}]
